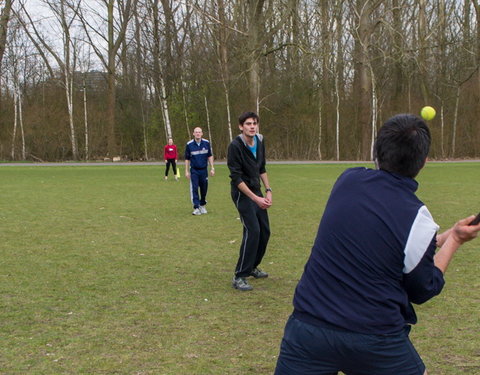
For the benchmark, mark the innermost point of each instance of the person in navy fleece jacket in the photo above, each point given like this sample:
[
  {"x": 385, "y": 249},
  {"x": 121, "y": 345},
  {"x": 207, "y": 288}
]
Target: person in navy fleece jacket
[{"x": 374, "y": 255}]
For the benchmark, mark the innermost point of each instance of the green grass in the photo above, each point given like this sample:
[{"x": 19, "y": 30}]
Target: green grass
[{"x": 103, "y": 270}]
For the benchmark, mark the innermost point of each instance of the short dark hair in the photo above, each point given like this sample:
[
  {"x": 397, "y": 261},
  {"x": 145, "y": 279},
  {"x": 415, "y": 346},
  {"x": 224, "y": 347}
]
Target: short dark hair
[
  {"x": 402, "y": 145},
  {"x": 247, "y": 115}
]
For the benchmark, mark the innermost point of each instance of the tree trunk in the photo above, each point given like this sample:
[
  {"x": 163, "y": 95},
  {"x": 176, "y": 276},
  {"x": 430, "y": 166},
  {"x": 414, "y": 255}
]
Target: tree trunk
[
  {"x": 362, "y": 81},
  {"x": 114, "y": 40},
  {"x": 337, "y": 117},
  {"x": 325, "y": 84},
  {"x": 145, "y": 136},
  {"x": 374, "y": 112},
  {"x": 422, "y": 55},
  {"x": 111, "y": 85},
  {"x": 455, "y": 120},
  {"x": 338, "y": 73},
  {"x": 476, "y": 5},
  {"x": 69, "y": 95},
  {"x": 320, "y": 125},
  {"x": 208, "y": 124},
  {"x": 20, "y": 117},
  {"x": 4, "y": 18},
  {"x": 223, "y": 61},
  {"x": 69, "y": 68},
  {"x": 169, "y": 31},
  {"x": 442, "y": 132},
  {"x": 229, "y": 117},
  {"x": 65, "y": 63},
  {"x": 158, "y": 73},
  {"x": 164, "y": 105},
  {"x": 112, "y": 147},
  {"x": 185, "y": 113},
  {"x": 255, "y": 11},
  {"x": 397, "y": 79},
  {"x": 15, "y": 122},
  {"x": 85, "y": 113}
]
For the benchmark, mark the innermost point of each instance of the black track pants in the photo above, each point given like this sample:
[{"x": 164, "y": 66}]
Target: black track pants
[
  {"x": 174, "y": 166},
  {"x": 256, "y": 232}
]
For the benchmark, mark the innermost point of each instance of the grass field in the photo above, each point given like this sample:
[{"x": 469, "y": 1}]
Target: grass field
[{"x": 103, "y": 270}]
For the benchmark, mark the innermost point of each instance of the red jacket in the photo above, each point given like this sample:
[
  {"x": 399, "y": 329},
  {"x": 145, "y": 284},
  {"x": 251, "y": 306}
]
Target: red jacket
[{"x": 170, "y": 152}]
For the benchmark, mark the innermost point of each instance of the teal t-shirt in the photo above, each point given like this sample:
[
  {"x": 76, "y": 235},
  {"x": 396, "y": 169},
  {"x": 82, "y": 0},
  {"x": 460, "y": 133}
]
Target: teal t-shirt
[{"x": 254, "y": 147}]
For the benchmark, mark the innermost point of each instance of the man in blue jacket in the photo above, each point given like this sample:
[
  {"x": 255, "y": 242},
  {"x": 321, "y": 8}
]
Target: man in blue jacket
[
  {"x": 198, "y": 154},
  {"x": 374, "y": 255}
]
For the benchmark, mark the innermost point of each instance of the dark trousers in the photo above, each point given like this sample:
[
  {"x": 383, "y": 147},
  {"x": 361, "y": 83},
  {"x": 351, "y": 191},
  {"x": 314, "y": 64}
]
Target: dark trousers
[
  {"x": 198, "y": 180},
  {"x": 174, "y": 166},
  {"x": 311, "y": 349},
  {"x": 256, "y": 233}
]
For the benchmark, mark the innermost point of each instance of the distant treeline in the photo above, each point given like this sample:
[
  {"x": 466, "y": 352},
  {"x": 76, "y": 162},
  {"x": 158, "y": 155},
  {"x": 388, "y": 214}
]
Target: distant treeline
[{"x": 96, "y": 79}]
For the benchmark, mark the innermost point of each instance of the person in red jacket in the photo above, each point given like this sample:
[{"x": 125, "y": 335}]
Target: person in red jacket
[{"x": 170, "y": 157}]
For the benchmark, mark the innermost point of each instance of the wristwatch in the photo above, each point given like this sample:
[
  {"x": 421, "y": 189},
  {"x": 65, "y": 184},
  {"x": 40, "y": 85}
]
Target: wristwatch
[{"x": 268, "y": 189}]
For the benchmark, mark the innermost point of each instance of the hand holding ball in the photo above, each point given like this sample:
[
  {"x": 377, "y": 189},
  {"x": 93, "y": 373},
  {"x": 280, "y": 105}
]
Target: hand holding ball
[{"x": 428, "y": 113}]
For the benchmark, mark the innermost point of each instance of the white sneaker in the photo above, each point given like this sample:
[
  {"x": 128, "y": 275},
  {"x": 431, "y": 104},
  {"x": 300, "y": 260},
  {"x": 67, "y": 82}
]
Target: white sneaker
[
  {"x": 166, "y": 178},
  {"x": 203, "y": 210},
  {"x": 196, "y": 212}
]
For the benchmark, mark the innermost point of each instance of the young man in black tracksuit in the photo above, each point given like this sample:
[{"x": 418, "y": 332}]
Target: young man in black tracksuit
[{"x": 246, "y": 161}]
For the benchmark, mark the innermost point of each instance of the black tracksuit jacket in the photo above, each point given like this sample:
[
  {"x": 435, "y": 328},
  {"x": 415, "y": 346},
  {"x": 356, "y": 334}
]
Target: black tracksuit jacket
[{"x": 243, "y": 165}]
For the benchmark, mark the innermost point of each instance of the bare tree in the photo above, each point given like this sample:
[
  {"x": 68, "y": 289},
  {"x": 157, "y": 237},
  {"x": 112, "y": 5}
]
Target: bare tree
[
  {"x": 4, "y": 18},
  {"x": 16, "y": 62},
  {"x": 255, "y": 24},
  {"x": 362, "y": 32},
  {"x": 116, "y": 21},
  {"x": 66, "y": 59},
  {"x": 84, "y": 60},
  {"x": 223, "y": 35},
  {"x": 476, "y": 6},
  {"x": 257, "y": 13},
  {"x": 158, "y": 74},
  {"x": 422, "y": 47},
  {"x": 323, "y": 72}
]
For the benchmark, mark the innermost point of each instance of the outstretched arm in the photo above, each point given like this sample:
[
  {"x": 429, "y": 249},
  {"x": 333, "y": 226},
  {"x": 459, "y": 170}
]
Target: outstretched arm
[{"x": 450, "y": 240}]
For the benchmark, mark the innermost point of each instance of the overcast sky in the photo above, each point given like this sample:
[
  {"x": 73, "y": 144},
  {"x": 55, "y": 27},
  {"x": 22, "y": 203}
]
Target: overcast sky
[{"x": 41, "y": 13}]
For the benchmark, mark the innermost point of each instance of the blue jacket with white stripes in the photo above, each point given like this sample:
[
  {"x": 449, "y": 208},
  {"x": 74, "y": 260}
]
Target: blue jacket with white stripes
[
  {"x": 198, "y": 154},
  {"x": 372, "y": 257}
]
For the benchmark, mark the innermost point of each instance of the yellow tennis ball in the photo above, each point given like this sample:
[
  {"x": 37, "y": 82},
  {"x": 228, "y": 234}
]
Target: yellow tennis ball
[{"x": 428, "y": 113}]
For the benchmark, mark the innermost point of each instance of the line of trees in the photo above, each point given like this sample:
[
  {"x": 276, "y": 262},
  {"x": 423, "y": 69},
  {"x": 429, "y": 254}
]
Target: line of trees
[{"x": 89, "y": 79}]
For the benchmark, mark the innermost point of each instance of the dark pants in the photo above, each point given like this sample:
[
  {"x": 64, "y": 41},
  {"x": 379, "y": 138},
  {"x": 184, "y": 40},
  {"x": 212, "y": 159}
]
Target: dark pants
[
  {"x": 308, "y": 349},
  {"x": 198, "y": 180},
  {"x": 174, "y": 166},
  {"x": 256, "y": 233}
]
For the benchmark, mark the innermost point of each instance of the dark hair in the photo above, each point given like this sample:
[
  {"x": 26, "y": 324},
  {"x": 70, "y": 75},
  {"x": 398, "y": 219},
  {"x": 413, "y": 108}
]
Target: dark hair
[
  {"x": 402, "y": 145},
  {"x": 247, "y": 115}
]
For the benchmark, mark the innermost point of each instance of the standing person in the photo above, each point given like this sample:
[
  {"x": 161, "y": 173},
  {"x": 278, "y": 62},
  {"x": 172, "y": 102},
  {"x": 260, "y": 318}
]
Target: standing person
[
  {"x": 198, "y": 154},
  {"x": 170, "y": 155},
  {"x": 374, "y": 255},
  {"x": 246, "y": 162}
]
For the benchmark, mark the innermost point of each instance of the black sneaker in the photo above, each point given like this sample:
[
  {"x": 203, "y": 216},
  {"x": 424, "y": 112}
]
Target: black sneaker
[
  {"x": 259, "y": 274},
  {"x": 241, "y": 283}
]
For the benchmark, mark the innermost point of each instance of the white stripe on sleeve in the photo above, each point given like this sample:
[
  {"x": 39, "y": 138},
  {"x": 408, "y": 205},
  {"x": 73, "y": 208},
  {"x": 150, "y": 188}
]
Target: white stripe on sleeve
[{"x": 421, "y": 234}]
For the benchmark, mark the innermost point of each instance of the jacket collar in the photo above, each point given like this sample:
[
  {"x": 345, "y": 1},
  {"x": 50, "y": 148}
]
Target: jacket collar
[{"x": 258, "y": 135}]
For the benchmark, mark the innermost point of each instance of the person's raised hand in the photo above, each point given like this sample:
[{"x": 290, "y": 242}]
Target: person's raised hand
[{"x": 463, "y": 232}]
